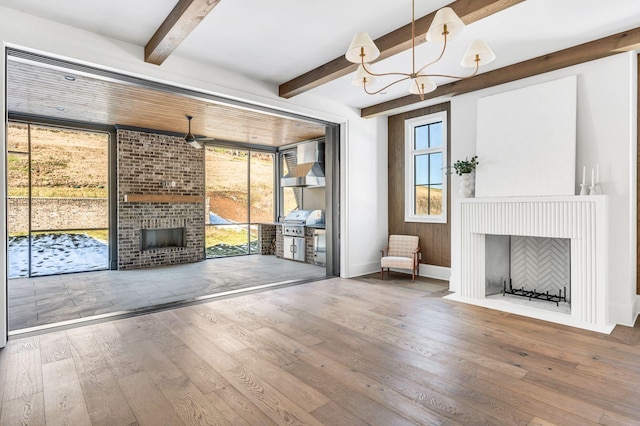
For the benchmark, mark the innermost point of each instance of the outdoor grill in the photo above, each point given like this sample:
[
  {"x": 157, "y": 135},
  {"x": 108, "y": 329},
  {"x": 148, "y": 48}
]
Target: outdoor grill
[
  {"x": 294, "y": 223},
  {"x": 293, "y": 232}
]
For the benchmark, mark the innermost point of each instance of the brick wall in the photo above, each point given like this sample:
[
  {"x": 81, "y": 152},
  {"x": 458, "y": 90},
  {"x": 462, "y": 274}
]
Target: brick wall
[
  {"x": 267, "y": 238},
  {"x": 279, "y": 242},
  {"x": 147, "y": 161},
  {"x": 57, "y": 213},
  {"x": 308, "y": 245}
]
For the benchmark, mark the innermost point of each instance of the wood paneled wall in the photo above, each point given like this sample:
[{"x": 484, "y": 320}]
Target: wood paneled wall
[{"x": 435, "y": 238}]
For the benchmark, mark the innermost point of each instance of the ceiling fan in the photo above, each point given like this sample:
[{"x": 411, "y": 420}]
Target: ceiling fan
[{"x": 191, "y": 139}]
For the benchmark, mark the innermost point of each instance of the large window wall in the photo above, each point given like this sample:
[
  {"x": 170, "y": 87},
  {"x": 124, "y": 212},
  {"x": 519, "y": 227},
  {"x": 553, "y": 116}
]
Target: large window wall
[
  {"x": 240, "y": 193},
  {"x": 57, "y": 200}
]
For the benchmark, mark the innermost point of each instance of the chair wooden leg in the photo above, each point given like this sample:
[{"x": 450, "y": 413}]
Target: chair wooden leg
[{"x": 381, "y": 273}]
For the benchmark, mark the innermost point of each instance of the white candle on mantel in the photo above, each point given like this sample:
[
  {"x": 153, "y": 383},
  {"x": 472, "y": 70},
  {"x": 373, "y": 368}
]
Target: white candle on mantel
[
  {"x": 584, "y": 171},
  {"x": 592, "y": 177}
]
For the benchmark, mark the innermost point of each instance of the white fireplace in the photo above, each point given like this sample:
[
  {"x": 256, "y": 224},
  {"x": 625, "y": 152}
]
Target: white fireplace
[{"x": 580, "y": 219}]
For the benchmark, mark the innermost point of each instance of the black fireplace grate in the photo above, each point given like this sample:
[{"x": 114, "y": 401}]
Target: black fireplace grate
[{"x": 533, "y": 294}]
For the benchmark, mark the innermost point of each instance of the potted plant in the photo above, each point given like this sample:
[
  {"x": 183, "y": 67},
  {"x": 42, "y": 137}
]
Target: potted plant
[{"x": 463, "y": 168}]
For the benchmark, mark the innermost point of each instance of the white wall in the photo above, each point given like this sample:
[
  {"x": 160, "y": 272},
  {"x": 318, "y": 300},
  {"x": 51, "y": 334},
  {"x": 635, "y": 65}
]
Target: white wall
[
  {"x": 606, "y": 135},
  {"x": 366, "y": 199},
  {"x": 539, "y": 120},
  {"x": 363, "y": 167}
]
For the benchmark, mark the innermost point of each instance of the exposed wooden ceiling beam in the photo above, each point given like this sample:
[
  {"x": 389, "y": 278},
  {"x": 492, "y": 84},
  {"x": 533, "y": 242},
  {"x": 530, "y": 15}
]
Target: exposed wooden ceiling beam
[
  {"x": 391, "y": 44},
  {"x": 184, "y": 17},
  {"x": 622, "y": 42}
]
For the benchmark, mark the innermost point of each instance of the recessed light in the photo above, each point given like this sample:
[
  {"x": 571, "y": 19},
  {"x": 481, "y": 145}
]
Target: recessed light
[
  {"x": 297, "y": 124},
  {"x": 254, "y": 138},
  {"x": 59, "y": 108},
  {"x": 69, "y": 78},
  {"x": 383, "y": 93}
]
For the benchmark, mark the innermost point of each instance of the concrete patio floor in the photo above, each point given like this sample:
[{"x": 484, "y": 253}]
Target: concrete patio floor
[{"x": 53, "y": 299}]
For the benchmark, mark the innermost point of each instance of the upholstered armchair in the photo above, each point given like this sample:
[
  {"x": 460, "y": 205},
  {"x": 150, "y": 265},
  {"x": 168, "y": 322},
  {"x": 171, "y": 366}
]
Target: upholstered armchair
[{"x": 402, "y": 252}]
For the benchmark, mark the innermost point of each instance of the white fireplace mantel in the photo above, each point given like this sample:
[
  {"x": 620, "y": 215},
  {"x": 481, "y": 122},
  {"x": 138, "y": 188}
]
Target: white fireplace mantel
[{"x": 582, "y": 219}]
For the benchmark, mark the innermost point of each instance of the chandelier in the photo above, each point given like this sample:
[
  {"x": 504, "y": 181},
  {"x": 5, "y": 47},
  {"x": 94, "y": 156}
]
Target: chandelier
[{"x": 445, "y": 27}]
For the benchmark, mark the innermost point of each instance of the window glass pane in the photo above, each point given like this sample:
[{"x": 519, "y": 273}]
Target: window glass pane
[
  {"x": 18, "y": 199},
  {"x": 235, "y": 198},
  {"x": 292, "y": 197},
  {"x": 17, "y": 178},
  {"x": 289, "y": 196},
  {"x": 262, "y": 208},
  {"x": 69, "y": 203},
  {"x": 436, "y": 174},
  {"x": 78, "y": 250},
  {"x": 227, "y": 240},
  {"x": 254, "y": 247},
  {"x": 435, "y": 134},
  {"x": 18, "y": 213},
  {"x": 422, "y": 200},
  {"x": 226, "y": 185},
  {"x": 428, "y": 184},
  {"x": 421, "y": 194},
  {"x": 421, "y": 137},
  {"x": 70, "y": 164},
  {"x": 17, "y": 137},
  {"x": 435, "y": 169},
  {"x": 435, "y": 200},
  {"x": 421, "y": 169}
]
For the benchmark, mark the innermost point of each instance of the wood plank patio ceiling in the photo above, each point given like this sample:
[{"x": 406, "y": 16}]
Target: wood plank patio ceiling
[{"x": 43, "y": 91}]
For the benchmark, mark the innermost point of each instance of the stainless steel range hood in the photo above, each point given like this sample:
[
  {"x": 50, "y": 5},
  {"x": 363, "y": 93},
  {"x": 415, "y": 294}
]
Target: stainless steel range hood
[{"x": 308, "y": 168}]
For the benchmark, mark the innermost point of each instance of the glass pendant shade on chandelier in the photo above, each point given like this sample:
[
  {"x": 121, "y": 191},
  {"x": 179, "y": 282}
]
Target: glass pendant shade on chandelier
[{"x": 445, "y": 27}]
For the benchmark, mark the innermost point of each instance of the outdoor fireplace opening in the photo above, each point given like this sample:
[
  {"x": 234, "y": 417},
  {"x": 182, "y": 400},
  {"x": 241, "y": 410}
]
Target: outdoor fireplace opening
[
  {"x": 529, "y": 270},
  {"x": 151, "y": 239}
]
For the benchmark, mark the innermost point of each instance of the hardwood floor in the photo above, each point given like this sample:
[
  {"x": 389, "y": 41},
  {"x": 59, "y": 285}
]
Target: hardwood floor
[{"x": 333, "y": 352}]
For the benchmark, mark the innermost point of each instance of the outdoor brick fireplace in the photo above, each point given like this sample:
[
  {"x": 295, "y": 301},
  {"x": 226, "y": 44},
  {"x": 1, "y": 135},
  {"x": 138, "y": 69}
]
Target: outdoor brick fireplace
[
  {"x": 152, "y": 239},
  {"x": 581, "y": 220},
  {"x": 160, "y": 190}
]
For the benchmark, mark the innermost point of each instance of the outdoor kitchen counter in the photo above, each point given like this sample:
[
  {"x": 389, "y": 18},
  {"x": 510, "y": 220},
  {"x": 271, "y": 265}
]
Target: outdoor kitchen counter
[
  {"x": 319, "y": 226},
  {"x": 271, "y": 242},
  {"x": 268, "y": 235}
]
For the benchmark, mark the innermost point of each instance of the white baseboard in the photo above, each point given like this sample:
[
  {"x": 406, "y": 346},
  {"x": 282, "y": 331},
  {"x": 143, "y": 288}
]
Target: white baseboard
[
  {"x": 636, "y": 311},
  {"x": 352, "y": 271},
  {"x": 429, "y": 271},
  {"x": 624, "y": 314},
  {"x": 436, "y": 272}
]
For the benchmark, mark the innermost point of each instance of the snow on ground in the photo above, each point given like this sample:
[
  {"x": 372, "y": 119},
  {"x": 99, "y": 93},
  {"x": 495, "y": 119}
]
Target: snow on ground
[
  {"x": 56, "y": 254},
  {"x": 63, "y": 253},
  {"x": 214, "y": 219}
]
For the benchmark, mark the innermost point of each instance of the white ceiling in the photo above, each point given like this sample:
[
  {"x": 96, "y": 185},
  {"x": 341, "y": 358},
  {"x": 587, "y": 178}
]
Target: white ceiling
[{"x": 277, "y": 40}]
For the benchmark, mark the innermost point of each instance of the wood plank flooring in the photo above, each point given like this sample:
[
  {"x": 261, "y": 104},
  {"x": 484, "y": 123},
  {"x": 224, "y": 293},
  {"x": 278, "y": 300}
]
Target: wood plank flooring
[{"x": 332, "y": 352}]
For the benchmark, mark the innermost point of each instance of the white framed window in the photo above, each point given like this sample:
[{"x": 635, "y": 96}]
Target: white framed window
[{"x": 425, "y": 168}]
